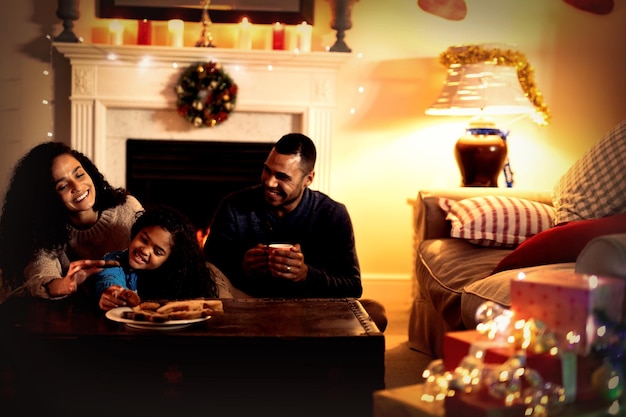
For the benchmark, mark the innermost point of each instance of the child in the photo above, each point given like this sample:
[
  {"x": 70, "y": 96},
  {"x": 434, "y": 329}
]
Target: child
[{"x": 163, "y": 262}]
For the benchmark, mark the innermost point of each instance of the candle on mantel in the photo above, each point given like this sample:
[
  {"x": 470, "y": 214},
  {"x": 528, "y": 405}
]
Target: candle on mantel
[
  {"x": 144, "y": 32},
  {"x": 304, "y": 37},
  {"x": 176, "y": 29},
  {"x": 278, "y": 36},
  {"x": 116, "y": 33},
  {"x": 245, "y": 34}
]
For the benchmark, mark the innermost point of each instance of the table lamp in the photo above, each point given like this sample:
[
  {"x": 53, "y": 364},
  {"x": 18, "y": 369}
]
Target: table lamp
[{"x": 484, "y": 81}]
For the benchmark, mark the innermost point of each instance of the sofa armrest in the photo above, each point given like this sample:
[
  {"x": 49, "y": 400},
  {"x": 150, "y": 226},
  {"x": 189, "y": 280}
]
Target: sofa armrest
[{"x": 429, "y": 220}]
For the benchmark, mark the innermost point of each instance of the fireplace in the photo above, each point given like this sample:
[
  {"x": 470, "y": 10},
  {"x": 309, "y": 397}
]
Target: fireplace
[
  {"x": 191, "y": 176},
  {"x": 122, "y": 92}
]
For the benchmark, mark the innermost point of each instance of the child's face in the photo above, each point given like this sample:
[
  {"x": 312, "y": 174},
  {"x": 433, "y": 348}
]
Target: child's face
[{"x": 150, "y": 248}]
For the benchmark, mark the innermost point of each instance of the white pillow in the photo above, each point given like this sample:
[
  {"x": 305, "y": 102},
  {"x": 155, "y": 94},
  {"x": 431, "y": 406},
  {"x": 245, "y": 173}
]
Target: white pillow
[
  {"x": 496, "y": 221},
  {"x": 595, "y": 186}
]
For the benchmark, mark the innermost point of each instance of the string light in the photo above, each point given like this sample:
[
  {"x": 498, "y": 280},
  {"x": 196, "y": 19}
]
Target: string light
[{"x": 47, "y": 101}]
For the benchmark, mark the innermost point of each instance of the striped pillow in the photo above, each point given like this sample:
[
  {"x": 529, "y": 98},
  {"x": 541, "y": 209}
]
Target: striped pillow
[{"x": 496, "y": 221}]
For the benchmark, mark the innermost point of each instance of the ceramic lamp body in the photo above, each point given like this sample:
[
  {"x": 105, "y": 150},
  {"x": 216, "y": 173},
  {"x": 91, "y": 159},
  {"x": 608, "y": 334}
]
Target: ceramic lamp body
[{"x": 481, "y": 158}]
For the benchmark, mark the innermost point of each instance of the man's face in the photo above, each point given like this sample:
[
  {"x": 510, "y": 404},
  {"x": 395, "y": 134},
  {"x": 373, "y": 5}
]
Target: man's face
[{"x": 284, "y": 181}]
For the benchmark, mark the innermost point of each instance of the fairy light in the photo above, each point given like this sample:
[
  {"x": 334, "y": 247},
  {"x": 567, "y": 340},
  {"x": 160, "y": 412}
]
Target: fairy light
[
  {"x": 47, "y": 101},
  {"x": 360, "y": 90}
]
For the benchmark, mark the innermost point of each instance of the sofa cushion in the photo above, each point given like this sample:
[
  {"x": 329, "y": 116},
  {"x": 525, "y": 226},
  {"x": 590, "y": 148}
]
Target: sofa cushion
[
  {"x": 447, "y": 266},
  {"x": 497, "y": 288},
  {"x": 496, "y": 221},
  {"x": 562, "y": 243},
  {"x": 595, "y": 186}
]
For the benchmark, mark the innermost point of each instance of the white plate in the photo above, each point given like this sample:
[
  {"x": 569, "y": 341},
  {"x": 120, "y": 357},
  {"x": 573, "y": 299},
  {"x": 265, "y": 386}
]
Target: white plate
[{"x": 116, "y": 315}]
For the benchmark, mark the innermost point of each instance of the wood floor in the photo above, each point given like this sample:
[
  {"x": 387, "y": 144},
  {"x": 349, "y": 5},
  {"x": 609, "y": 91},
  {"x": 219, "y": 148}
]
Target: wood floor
[{"x": 403, "y": 366}]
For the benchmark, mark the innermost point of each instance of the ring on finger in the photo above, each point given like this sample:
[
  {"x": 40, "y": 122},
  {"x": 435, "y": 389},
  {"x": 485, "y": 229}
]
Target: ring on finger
[{"x": 288, "y": 268}]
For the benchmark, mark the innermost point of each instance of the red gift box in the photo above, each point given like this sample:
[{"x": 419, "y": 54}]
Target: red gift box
[
  {"x": 457, "y": 345},
  {"x": 565, "y": 302}
]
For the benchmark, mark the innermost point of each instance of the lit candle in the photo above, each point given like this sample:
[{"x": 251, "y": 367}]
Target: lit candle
[
  {"x": 176, "y": 28},
  {"x": 245, "y": 34},
  {"x": 304, "y": 37},
  {"x": 116, "y": 32},
  {"x": 278, "y": 36},
  {"x": 144, "y": 32}
]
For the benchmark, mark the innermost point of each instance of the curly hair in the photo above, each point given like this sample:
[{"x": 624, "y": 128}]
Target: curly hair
[
  {"x": 184, "y": 274},
  {"x": 33, "y": 215}
]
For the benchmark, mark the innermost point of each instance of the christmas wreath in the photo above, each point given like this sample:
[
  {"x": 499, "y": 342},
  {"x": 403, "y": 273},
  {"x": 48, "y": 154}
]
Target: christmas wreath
[{"x": 205, "y": 94}]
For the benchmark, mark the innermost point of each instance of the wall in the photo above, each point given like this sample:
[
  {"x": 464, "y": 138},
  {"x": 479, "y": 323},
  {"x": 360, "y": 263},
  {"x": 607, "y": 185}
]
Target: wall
[{"x": 388, "y": 148}]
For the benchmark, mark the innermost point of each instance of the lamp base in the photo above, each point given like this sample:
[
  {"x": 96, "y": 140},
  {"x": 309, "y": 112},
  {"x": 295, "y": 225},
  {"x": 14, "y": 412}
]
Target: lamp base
[{"x": 481, "y": 159}]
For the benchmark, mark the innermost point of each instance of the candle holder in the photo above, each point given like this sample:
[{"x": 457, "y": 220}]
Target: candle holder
[
  {"x": 68, "y": 11},
  {"x": 341, "y": 13},
  {"x": 206, "y": 40}
]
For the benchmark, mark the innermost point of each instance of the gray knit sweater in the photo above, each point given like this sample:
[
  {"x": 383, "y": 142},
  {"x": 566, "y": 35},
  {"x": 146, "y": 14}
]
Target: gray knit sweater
[{"x": 110, "y": 233}]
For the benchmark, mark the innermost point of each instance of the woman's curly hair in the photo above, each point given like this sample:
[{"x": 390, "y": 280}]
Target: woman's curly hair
[
  {"x": 184, "y": 274},
  {"x": 33, "y": 215}
]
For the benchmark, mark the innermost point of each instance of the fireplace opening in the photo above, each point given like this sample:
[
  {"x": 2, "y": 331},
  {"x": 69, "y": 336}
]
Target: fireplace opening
[{"x": 192, "y": 176}]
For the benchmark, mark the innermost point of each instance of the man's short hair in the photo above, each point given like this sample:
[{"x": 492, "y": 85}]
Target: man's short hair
[{"x": 298, "y": 144}]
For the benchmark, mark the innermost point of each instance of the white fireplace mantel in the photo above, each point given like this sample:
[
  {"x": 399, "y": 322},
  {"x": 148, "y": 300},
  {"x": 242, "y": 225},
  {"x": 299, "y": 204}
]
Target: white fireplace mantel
[{"x": 117, "y": 80}]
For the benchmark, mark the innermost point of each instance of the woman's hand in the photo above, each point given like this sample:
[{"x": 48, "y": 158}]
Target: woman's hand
[{"x": 77, "y": 273}]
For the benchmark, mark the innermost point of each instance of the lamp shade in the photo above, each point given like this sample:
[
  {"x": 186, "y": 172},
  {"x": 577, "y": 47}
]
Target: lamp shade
[
  {"x": 484, "y": 80},
  {"x": 478, "y": 86}
]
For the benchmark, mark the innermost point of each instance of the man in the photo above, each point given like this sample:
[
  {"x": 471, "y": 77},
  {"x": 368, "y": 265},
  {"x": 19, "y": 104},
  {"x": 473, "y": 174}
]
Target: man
[{"x": 282, "y": 209}]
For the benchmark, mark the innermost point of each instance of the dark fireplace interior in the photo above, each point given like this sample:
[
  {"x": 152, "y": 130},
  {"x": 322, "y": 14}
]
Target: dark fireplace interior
[{"x": 191, "y": 176}]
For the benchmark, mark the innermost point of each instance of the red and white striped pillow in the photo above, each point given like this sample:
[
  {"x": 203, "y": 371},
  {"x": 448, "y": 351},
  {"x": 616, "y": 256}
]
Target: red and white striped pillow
[{"x": 497, "y": 221}]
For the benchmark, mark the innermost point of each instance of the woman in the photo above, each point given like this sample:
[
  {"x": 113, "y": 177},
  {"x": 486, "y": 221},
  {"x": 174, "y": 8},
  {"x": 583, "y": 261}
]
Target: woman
[{"x": 60, "y": 216}]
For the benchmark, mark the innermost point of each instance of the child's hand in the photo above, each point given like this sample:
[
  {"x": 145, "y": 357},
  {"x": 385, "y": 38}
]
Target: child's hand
[{"x": 116, "y": 296}]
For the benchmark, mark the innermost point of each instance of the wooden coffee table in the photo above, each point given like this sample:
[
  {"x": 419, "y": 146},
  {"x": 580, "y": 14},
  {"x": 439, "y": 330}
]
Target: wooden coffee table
[{"x": 307, "y": 357}]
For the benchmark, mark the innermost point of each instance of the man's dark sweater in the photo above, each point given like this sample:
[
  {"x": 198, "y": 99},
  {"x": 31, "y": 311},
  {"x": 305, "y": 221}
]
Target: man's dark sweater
[{"x": 320, "y": 225}]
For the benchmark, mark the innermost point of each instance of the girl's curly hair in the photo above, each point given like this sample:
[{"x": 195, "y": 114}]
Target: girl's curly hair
[
  {"x": 33, "y": 215},
  {"x": 184, "y": 274}
]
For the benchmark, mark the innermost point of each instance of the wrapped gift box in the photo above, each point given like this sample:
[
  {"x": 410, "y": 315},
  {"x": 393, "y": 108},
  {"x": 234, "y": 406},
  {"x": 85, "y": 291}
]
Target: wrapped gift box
[
  {"x": 457, "y": 345},
  {"x": 462, "y": 404},
  {"x": 565, "y": 301}
]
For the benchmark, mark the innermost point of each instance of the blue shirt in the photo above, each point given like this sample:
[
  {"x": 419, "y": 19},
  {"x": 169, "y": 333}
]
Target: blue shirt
[{"x": 120, "y": 275}]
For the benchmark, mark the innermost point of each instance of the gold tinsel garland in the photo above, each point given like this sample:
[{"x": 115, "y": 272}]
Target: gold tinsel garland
[{"x": 474, "y": 54}]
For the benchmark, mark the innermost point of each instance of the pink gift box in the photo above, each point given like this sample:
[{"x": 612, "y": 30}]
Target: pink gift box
[{"x": 565, "y": 301}]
